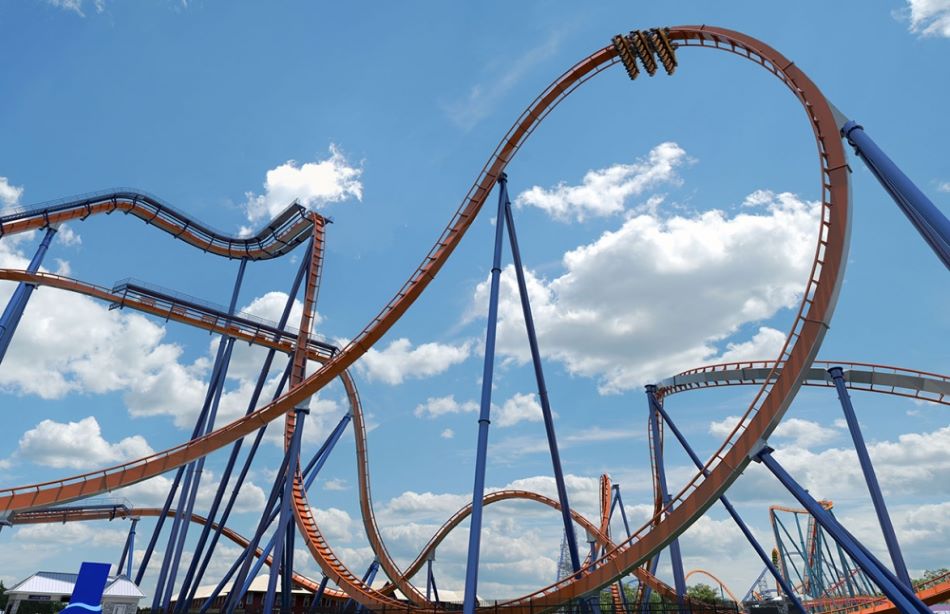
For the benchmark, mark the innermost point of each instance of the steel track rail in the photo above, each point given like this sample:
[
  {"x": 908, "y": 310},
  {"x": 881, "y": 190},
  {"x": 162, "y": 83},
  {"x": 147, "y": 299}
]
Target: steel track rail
[
  {"x": 280, "y": 236},
  {"x": 777, "y": 387}
]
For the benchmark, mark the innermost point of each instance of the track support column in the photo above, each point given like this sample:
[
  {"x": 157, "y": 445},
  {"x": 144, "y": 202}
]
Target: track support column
[
  {"x": 21, "y": 296},
  {"x": 877, "y": 498},
  {"x": 542, "y": 387},
  {"x": 679, "y": 578},
  {"x": 125, "y": 561},
  {"x": 769, "y": 563},
  {"x": 903, "y": 597},
  {"x": 484, "y": 416},
  {"x": 286, "y": 513},
  {"x": 430, "y": 579},
  {"x": 932, "y": 225}
]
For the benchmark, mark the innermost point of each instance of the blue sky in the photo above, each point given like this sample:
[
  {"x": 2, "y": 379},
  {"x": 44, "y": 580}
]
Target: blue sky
[{"x": 632, "y": 200}]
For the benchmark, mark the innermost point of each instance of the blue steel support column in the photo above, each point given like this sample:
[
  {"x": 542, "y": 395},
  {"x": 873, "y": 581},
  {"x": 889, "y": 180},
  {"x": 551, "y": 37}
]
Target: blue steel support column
[
  {"x": 786, "y": 587},
  {"x": 679, "y": 579},
  {"x": 158, "y": 525},
  {"x": 902, "y": 597},
  {"x": 311, "y": 471},
  {"x": 932, "y": 225},
  {"x": 542, "y": 386},
  {"x": 235, "y": 489},
  {"x": 265, "y": 522},
  {"x": 484, "y": 416},
  {"x": 286, "y": 570},
  {"x": 367, "y": 579},
  {"x": 126, "y": 559},
  {"x": 286, "y": 514},
  {"x": 195, "y": 572},
  {"x": 193, "y": 472},
  {"x": 431, "y": 588},
  {"x": 623, "y": 513},
  {"x": 318, "y": 596},
  {"x": 21, "y": 296},
  {"x": 877, "y": 498}
]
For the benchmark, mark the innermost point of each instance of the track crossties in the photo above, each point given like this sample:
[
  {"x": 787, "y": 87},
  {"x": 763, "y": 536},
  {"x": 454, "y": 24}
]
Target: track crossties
[{"x": 648, "y": 46}]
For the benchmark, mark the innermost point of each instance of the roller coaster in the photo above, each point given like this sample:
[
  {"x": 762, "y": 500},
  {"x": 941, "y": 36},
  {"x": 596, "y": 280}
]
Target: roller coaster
[{"x": 288, "y": 515}]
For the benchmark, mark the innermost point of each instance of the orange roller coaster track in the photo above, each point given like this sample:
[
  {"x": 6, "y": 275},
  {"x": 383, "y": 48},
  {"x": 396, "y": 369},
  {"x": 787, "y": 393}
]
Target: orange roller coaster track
[{"x": 778, "y": 384}]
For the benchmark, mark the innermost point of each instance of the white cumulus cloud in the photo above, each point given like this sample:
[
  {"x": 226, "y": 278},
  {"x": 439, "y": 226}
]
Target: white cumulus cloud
[
  {"x": 929, "y": 17},
  {"x": 658, "y": 294},
  {"x": 439, "y": 406},
  {"x": 312, "y": 184},
  {"x": 9, "y": 194},
  {"x": 400, "y": 361},
  {"x": 604, "y": 192},
  {"x": 77, "y": 445}
]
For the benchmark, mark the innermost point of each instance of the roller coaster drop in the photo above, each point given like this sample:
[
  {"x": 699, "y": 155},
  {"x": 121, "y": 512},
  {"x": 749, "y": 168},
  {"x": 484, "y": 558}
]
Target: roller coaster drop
[{"x": 778, "y": 381}]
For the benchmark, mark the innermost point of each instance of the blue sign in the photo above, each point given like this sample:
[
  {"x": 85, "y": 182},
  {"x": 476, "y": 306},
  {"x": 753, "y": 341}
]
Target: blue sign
[{"x": 87, "y": 593}]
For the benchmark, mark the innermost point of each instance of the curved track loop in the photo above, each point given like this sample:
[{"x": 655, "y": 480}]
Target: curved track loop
[
  {"x": 884, "y": 379},
  {"x": 800, "y": 348},
  {"x": 512, "y": 494},
  {"x": 763, "y": 415},
  {"x": 714, "y": 579},
  {"x": 53, "y": 516},
  {"x": 281, "y": 235}
]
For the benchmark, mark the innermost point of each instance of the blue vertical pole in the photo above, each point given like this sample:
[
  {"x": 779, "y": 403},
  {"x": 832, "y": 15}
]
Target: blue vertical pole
[
  {"x": 877, "y": 498},
  {"x": 21, "y": 296},
  {"x": 126, "y": 558},
  {"x": 431, "y": 588},
  {"x": 193, "y": 481},
  {"x": 318, "y": 596},
  {"x": 646, "y": 591},
  {"x": 195, "y": 571},
  {"x": 293, "y": 453},
  {"x": 902, "y": 597},
  {"x": 143, "y": 566},
  {"x": 235, "y": 490},
  {"x": 623, "y": 512},
  {"x": 786, "y": 587},
  {"x": 286, "y": 586},
  {"x": 542, "y": 386},
  {"x": 679, "y": 579},
  {"x": 929, "y": 221},
  {"x": 484, "y": 416}
]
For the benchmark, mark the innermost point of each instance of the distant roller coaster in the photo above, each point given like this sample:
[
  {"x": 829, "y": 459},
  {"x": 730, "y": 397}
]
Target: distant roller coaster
[{"x": 609, "y": 560}]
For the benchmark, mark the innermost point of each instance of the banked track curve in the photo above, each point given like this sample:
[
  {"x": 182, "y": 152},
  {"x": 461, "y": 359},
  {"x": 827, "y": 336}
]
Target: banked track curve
[{"x": 759, "y": 420}]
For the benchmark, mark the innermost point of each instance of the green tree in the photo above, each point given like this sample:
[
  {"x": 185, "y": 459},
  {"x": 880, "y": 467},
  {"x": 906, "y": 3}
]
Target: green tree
[
  {"x": 3, "y": 596},
  {"x": 703, "y": 592},
  {"x": 929, "y": 575}
]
